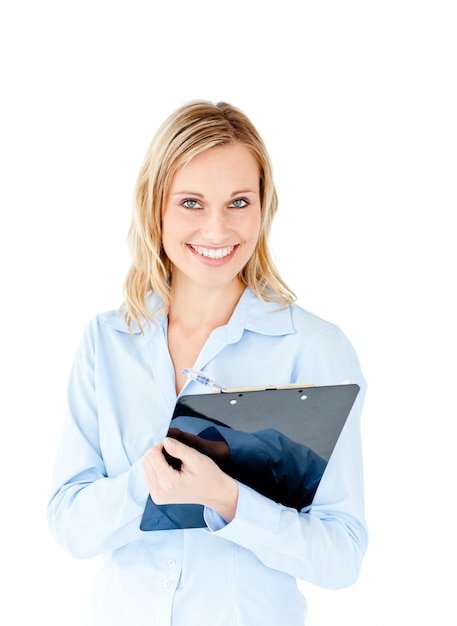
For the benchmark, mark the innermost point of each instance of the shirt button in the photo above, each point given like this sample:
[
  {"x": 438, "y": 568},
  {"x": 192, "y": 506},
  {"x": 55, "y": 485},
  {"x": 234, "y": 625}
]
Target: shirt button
[
  {"x": 171, "y": 563},
  {"x": 166, "y": 584}
]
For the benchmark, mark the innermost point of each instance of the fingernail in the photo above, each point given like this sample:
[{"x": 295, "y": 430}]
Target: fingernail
[{"x": 170, "y": 444}]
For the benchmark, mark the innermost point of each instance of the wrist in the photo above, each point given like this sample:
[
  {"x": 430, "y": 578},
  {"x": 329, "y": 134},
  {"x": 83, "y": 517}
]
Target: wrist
[{"x": 225, "y": 500}]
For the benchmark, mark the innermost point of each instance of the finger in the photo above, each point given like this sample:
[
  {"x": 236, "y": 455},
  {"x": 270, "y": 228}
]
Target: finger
[
  {"x": 177, "y": 449},
  {"x": 153, "y": 464},
  {"x": 159, "y": 476},
  {"x": 150, "y": 475}
]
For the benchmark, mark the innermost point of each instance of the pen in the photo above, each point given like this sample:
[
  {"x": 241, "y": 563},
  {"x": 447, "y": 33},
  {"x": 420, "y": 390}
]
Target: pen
[{"x": 203, "y": 379}]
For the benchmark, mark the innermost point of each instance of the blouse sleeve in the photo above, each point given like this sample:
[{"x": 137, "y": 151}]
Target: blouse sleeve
[
  {"x": 325, "y": 542},
  {"x": 90, "y": 512}
]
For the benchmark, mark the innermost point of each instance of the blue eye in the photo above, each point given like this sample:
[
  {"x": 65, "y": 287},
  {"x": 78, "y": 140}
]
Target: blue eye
[
  {"x": 239, "y": 203},
  {"x": 191, "y": 204}
]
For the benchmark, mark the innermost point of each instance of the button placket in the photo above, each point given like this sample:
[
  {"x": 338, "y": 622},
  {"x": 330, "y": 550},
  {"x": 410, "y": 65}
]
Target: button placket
[{"x": 171, "y": 573}]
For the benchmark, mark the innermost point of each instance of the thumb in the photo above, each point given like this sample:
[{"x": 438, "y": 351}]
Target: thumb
[{"x": 177, "y": 448}]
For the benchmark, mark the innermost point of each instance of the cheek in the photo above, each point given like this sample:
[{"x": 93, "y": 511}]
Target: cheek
[
  {"x": 164, "y": 236},
  {"x": 169, "y": 238},
  {"x": 254, "y": 228},
  {"x": 170, "y": 229}
]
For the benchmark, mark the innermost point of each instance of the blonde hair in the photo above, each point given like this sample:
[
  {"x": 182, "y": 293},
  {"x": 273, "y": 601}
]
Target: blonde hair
[{"x": 193, "y": 128}]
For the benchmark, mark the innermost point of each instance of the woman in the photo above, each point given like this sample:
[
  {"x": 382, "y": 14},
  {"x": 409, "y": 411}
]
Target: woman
[{"x": 202, "y": 292}]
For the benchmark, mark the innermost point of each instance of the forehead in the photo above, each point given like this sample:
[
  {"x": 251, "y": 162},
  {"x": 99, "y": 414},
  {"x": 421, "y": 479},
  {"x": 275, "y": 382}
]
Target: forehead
[{"x": 228, "y": 164}]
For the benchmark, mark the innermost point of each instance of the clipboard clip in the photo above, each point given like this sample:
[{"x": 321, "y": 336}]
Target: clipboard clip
[{"x": 206, "y": 381}]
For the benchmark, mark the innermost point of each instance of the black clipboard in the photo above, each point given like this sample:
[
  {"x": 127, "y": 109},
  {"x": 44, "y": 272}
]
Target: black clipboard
[{"x": 276, "y": 440}]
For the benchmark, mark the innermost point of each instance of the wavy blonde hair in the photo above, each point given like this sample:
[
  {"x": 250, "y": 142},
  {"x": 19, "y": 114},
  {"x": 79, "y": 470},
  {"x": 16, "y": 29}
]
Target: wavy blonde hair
[{"x": 191, "y": 129}]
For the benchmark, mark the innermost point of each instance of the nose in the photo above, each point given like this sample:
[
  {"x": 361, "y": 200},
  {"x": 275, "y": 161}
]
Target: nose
[{"x": 215, "y": 228}]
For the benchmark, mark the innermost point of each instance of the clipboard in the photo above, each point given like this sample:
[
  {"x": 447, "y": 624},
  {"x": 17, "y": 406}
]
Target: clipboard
[{"x": 276, "y": 440}]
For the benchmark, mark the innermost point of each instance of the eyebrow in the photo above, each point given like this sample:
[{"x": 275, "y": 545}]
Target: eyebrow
[
  {"x": 188, "y": 193},
  {"x": 196, "y": 194}
]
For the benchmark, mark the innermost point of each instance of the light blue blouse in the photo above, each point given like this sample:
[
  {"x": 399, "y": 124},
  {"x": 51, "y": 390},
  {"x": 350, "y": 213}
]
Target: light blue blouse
[{"x": 121, "y": 397}]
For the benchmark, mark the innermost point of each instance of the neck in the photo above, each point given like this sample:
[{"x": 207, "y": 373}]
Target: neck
[{"x": 195, "y": 306}]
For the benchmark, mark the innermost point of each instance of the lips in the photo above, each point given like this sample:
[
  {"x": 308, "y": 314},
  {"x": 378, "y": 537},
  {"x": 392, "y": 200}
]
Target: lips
[{"x": 213, "y": 253}]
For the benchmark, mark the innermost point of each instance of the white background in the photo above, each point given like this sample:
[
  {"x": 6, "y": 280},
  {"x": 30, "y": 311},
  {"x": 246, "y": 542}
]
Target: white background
[{"x": 357, "y": 104}]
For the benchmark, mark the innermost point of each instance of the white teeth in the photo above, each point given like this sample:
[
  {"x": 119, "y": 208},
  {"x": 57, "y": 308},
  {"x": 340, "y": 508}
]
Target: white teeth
[{"x": 214, "y": 253}]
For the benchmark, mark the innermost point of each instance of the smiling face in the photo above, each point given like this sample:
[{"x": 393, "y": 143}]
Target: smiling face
[{"x": 211, "y": 217}]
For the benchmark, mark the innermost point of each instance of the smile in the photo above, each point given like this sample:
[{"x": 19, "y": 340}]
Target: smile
[{"x": 213, "y": 253}]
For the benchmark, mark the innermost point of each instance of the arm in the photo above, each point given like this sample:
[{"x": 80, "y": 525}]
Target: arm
[
  {"x": 91, "y": 510},
  {"x": 325, "y": 542}
]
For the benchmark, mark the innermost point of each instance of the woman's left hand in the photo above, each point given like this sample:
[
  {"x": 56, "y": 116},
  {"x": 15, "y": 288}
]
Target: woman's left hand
[{"x": 198, "y": 481}]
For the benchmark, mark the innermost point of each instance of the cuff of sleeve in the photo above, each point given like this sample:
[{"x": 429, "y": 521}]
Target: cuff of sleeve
[
  {"x": 213, "y": 520},
  {"x": 256, "y": 518}
]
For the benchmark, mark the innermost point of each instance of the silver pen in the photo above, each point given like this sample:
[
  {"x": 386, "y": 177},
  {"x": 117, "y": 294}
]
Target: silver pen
[{"x": 203, "y": 379}]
